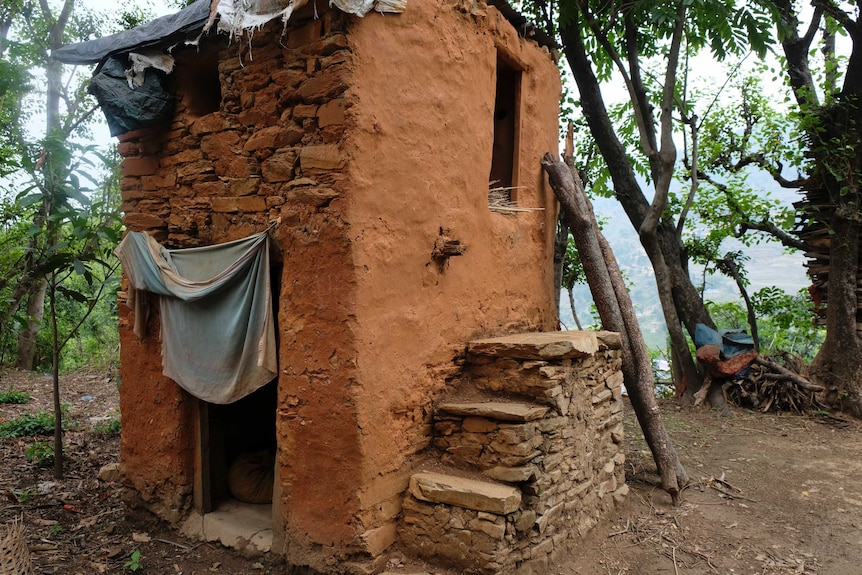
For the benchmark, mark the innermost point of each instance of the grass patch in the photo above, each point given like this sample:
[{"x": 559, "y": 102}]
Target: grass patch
[
  {"x": 41, "y": 453},
  {"x": 108, "y": 428},
  {"x": 27, "y": 425},
  {"x": 12, "y": 396}
]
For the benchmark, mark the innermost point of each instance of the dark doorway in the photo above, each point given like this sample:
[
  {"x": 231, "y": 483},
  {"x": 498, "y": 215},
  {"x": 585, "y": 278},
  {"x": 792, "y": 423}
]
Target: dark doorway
[{"x": 229, "y": 431}]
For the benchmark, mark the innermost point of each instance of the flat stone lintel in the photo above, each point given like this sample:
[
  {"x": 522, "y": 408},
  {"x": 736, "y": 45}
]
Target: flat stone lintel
[
  {"x": 499, "y": 410},
  {"x": 543, "y": 345},
  {"x": 467, "y": 493}
]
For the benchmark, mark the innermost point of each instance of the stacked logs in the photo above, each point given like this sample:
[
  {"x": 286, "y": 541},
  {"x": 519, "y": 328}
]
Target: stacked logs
[{"x": 777, "y": 384}]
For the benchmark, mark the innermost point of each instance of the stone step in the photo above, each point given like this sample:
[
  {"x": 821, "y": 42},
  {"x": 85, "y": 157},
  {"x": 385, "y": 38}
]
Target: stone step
[
  {"x": 544, "y": 345},
  {"x": 472, "y": 494},
  {"x": 499, "y": 410}
]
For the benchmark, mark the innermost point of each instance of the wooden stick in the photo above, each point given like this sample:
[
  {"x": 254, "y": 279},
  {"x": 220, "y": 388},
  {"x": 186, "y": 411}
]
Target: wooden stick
[{"x": 794, "y": 377}]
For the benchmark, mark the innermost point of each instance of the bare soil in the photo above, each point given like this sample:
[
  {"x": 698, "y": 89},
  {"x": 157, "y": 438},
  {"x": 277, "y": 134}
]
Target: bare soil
[{"x": 770, "y": 494}]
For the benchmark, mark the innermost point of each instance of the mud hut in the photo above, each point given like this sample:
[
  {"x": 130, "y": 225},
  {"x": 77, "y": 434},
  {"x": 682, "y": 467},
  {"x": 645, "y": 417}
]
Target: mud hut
[{"x": 389, "y": 163}]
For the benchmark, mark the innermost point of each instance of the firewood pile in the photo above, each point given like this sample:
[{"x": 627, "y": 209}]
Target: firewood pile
[{"x": 775, "y": 384}]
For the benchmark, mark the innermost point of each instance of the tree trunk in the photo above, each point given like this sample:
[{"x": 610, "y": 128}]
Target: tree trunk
[
  {"x": 838, "y": 365},
  {"x": 617, "y": 314},
  {"x": 572, "y": 306},
  {"x": 561, "y": 242},
  {"x": 733, "y": 270},
  {"x": 685, "y": 298},
  {"x": 54, "y": 170},
  {"x": 27, "y": 337},
  {"x": 55, "y": 378}
]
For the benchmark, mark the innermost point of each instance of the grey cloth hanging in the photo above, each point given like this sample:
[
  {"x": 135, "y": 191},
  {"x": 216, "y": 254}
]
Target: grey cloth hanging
[{"x": 217, "y": 327}]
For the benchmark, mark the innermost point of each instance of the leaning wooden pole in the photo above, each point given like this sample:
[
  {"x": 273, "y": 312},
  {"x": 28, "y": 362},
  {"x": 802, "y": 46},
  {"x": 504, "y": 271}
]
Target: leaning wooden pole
[{"x": 617, "y": 314}]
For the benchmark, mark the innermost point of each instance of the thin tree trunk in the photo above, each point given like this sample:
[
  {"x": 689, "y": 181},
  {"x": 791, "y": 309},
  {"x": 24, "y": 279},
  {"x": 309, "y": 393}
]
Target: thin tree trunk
[
  {"x": 55, "y": 375},
  {"x": 561, "y": 241},
  {"x": 53, "y": 169},
  {"x": 27, "y": 337},
  {"x": 617, "y": 314},
  {"x": 572, "y": 305},
  {"x": 733, "y": 270}
]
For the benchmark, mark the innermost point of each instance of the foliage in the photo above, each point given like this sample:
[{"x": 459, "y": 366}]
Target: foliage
[
  {"x": 134, "y": 562},
  {"x": 41, "y": 453},
  {"x": 64, "y": 202},
  {"x": 23, "y": 496},
  {"x": 12, "y": 396},
  {"x": 29, "y": 424},
  {"x": 111, "y": 427},
  {"x": 784, "y": 321}
]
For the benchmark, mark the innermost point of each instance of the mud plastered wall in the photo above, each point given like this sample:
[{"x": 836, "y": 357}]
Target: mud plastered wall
[{"x": 420, "y": 141}]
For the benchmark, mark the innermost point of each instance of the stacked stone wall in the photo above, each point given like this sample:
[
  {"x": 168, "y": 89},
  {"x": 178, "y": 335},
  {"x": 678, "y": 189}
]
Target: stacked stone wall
[
  {"x": 269, "y": 151},
  {"x": 556, "y": 438}
]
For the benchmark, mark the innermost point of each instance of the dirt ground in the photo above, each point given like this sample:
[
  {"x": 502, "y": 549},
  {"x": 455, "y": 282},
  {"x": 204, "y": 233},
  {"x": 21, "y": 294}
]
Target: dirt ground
[{"x": 770, "y": 494}]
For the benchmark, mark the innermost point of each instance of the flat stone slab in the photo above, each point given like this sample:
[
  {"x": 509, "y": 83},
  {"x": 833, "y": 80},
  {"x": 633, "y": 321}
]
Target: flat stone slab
[
  {"x": 512, "y": 474},
  {"x": 609, "y": 339},
  {"x": 466, "y": 493},
  {"x": 241, "y": 526},
  {"x": 499, "y": 410},
  {"x": 542, "y": 345}
]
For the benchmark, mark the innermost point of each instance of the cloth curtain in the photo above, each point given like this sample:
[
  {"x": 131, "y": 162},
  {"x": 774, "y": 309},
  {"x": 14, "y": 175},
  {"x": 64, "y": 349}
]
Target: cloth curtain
[{"x": 217, "y": 328}]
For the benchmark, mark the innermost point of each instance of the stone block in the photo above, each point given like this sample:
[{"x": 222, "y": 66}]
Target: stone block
[
  {"x": 621, "y": 494},
  {"x": 223, "y": 205},
  {"x": 546, "y": 345},
  {"x": 140, "y": 222},
  {"x": 214, "y": 122},
  {"x": 274, "y": 137},
  {"x": 159, "y": 182},
  {"x": 377, "y": 540},
  {"x": 248, "y": 204},
  {"x": 289, "y": 77},
  {"x": 142, "y": 166},
  {"x": 109, "y": 473},
  {"x": 325, "y": 157},
  {"x": 609, "y": 340},
  {"x": 312, "y": 195},
  {"x": 331, "y": 113},
  {"x": 500, "y": 410},
  {"x": 511, "y": 474},
  {"x": 478, "y": 425},
  {"x": 615, "y": 380},
  {"x": 278, "y": 167},
  {"x": 305, "y": 111},
  {"x": 323, "y": 86},
  {"x": 603, "y": 395},
  {"x": 467, "y": 493}
]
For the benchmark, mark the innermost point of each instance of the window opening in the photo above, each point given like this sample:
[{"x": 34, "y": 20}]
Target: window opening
[
  {"x": 200, "y": 84},
  {"x": 503, "y": 178}
]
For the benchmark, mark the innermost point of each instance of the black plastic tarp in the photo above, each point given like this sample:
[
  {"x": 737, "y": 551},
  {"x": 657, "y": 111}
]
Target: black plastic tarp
[
  {"x": 161, "y": 32},
  {"x": 128, "y": 109}
]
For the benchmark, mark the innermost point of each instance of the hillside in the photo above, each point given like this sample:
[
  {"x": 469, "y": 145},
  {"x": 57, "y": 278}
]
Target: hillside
[{"x": 769, "y": 265}]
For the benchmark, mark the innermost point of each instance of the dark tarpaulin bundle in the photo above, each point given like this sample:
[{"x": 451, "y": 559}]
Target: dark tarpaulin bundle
[{"x": 128, "y": 108}]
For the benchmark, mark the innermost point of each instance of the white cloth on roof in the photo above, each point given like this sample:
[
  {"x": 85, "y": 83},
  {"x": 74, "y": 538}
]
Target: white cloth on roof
[{"x": 217, "y": 328}]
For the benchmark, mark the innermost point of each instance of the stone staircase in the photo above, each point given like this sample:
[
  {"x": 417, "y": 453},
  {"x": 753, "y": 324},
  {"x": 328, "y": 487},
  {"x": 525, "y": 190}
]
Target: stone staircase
[{"x": 527, "y": 456}]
